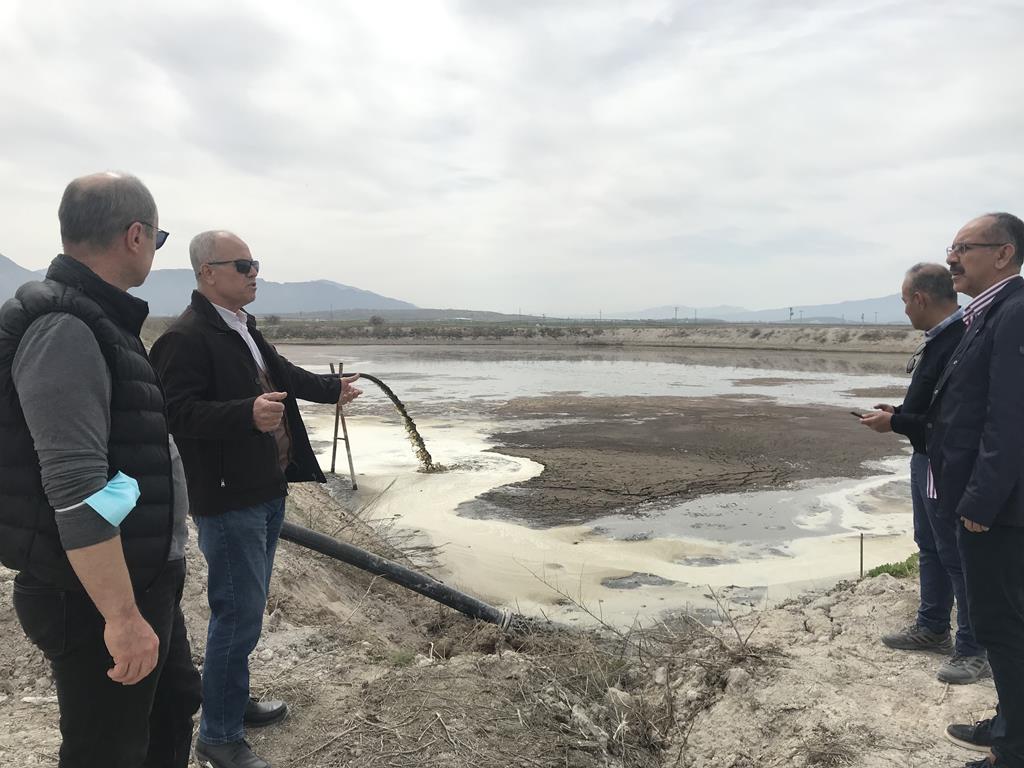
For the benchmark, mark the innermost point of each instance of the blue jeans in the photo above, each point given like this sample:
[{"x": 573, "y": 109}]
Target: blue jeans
[
  {"x": 239, "y": 547},
  {"x": 942, "y": 573}
]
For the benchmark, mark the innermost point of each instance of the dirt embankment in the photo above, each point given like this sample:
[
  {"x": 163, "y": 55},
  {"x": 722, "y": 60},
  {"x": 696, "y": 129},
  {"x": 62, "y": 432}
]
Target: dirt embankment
[
  {"x": 379, "y": 677},
  {"x": 835, "y": 338},
  {"x": 618, "y": 454}
]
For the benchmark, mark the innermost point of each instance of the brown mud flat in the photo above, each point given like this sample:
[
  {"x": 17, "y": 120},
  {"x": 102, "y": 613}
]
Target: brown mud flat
[{"x": 623, "y": 454}]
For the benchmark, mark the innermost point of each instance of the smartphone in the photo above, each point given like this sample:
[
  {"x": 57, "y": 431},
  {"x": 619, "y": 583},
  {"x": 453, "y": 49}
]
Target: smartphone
[{"x": 858, "y": 415}]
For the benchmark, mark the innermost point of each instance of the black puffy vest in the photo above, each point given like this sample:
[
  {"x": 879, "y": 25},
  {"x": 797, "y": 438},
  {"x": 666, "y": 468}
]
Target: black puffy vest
[{"x": 29, "y": 541}]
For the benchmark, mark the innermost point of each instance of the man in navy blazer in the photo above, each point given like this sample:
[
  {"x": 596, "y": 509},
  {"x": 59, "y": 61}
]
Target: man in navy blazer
[{"x": 975, "y": 443}]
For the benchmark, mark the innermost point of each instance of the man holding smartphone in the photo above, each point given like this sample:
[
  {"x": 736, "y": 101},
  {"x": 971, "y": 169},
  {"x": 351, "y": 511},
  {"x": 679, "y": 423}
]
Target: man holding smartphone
[{"x": 930, "y": 302}]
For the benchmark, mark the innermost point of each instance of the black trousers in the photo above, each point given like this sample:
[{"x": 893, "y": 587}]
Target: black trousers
[
  {"x": 146, "y": 725},
  {"x": 994, "y": 570}
]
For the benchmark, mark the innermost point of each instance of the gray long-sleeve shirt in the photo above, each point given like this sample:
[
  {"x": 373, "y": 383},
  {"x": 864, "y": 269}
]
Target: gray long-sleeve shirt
[{"x": 64, "y": 387}]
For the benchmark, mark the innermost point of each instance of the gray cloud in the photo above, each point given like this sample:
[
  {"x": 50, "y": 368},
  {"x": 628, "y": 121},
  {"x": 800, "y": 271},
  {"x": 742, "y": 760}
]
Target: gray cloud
[{"x": 571, "y": 155}]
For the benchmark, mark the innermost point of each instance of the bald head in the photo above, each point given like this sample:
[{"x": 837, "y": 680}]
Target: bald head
[
  {"x": 204, "y": 247},
  {"x": 224, "y": 267},
  {"x": 1006, "y": 228},
  {"x": 96, "y": 209}
]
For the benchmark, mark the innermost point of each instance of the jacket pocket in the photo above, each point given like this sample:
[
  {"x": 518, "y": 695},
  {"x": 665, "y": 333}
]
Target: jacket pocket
[{"x": 42, "y": 611}]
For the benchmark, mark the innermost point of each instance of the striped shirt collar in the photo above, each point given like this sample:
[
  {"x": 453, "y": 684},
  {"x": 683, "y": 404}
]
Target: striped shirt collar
[
  {"x": 981, "y": 302},
  {"x": 931, "y": 333}
]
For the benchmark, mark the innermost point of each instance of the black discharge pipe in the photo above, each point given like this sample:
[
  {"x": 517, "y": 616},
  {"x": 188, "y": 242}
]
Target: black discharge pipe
[{"x": 399, "y": 574}]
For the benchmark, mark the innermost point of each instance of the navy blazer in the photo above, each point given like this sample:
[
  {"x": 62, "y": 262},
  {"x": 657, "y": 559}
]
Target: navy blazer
[{"x": 975, "y": 425}]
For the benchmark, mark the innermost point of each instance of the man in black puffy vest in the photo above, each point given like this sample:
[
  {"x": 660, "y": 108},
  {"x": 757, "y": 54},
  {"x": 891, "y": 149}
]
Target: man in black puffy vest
[{"x": 92, "y": 496}]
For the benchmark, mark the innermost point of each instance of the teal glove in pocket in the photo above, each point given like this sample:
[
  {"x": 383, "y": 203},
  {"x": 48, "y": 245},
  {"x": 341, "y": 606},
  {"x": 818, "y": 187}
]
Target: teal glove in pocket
[{"x": 116, "y": 499}]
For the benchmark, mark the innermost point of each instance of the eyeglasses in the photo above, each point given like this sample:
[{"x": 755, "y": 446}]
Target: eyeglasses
[
  {"x": 916, "y": 357},
  {"x": 961, "y": 248},
  {"x": 159, "y": 234},
  {"x": 244, "y": 266}
]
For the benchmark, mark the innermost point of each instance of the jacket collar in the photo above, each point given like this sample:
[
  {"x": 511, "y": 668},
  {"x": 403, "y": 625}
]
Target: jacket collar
[
  {"x": 972, "y": 332},
  {"x": 1006, "y": 291},
  {"x": 203, "y": 307},
  {"x": 127, "y": 311}
]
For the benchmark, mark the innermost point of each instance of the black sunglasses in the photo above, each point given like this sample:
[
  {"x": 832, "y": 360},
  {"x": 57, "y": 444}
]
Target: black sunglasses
[
  {"x": 244, "y": 266},
  {"x": 160, "y": 234}
]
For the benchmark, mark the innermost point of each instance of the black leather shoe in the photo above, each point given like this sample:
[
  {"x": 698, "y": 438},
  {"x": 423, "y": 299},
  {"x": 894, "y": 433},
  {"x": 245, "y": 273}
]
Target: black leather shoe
[
  {"x": 235, "y": 754},
  {"x": 261, "y": 713}
]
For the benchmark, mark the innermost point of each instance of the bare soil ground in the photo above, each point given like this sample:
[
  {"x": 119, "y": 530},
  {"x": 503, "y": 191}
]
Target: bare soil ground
[
  {"x": 617, "y": 454},
  {"x": 378, "y": 676}
]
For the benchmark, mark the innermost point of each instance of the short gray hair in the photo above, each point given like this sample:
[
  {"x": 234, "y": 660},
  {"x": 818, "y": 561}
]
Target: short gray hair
[
  {"x": 96, "y": 209},
  {"x": 203, "y": 248},
  {"x": 932, "y": 279}
]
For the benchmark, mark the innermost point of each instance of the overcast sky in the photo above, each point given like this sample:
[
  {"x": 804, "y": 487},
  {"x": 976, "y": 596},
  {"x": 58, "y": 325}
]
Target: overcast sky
[{"x": 554, "y": 156}]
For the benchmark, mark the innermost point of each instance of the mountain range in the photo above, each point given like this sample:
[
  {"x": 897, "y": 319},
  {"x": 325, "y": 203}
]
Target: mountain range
[
  {"x": 168, "y": 291},
  {"x": 884, "y": 309}
]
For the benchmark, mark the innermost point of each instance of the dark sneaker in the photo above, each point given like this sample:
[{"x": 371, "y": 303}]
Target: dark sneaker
[
  {"x": 961, "y": 670},
  {"x": 918, "y": 638},
  {"x": 977, "y": 737},
  {"x": 235, "y": 754},
  {"x": 983, "y": 763}
]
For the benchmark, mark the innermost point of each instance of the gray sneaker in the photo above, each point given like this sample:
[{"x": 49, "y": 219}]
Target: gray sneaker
[
  {"x": 918, "y": 638},
  {"x": 961, "y": 670}
]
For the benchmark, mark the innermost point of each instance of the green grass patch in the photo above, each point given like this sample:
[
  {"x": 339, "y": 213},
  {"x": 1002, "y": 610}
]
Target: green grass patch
[{"x": 906, "y": 569}]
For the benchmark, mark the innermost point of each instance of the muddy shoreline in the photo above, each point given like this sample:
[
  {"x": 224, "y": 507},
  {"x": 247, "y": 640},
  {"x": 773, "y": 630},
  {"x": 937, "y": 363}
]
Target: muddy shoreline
[{"x": 629, "y": 455}]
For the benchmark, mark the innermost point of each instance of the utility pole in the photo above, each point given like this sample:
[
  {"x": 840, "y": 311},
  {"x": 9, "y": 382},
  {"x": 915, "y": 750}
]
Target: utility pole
[
  {"x": 695, "y": 314},
  {"x": 791, "y": 314},
  {"x": 876, "y": 318},
  {"x": 675, "y": 317},
  {"x": 801, "y": 315}
]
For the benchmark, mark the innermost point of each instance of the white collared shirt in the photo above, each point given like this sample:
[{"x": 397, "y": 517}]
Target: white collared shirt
[{"x": 239, "y": 323}]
